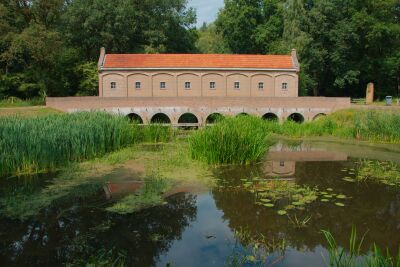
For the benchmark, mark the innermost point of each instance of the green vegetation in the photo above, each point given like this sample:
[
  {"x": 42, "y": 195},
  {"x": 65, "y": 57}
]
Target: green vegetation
[
  {"x": 339, "y": 257},
  {"x": 340, "y": 49},
  {"x": 367, "y": 125},
  {"x": 31, "y": 145},
  {"x": 43, "y": 144},
  {"x": 16, "y": 102},
  {"x": 382, "y": 172},
  {"x": 150, "y": 195},
  {"x": 241, "y": 140}
]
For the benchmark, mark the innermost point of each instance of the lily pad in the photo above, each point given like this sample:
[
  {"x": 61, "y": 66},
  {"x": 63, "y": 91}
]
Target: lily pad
[
  {"x": 265, "y": 200},
  {"x": 269, "y": 205},
  {"x": 298, "y": 203},
  {"x": 329, "y": 189},
  {"x": 328, "y": 196},
  {"x": 339, "y": 204},
  {"x": 341, "y": 196},
  {"x": 282, "y": 212},
  {"x": 349, "y": 179},
  {"x": 325, "y": 200},
  {"x": 289, "y": 207},
  {"x": 324, "y": 193}
]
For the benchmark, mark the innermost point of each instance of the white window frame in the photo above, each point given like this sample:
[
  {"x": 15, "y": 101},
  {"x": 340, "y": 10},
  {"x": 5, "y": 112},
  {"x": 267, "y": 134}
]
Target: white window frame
[
  {"x": 212, "y": 85},
  {"x": 285, "y": 86},
  {"x": 188, "y": 85},
  {"x": 236, "y": 85},
  {"x": 138, "y": 85},
  {"x": 261, "y": 86},
  {"x": 163, "y": 85},
  {"x": 113, "y": 85}
]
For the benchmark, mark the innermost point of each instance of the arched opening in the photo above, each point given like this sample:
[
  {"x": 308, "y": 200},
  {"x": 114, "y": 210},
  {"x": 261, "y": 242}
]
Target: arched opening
[
  {"x": 160, "y": 118},
  {"x": 319, "y": 116},
  {"x": 242, "y": 114},
  {"x": 214, "y": 117},
  {"x": 135, "y": 118},
  {"x": 296, "y": 117},
  {"x": 188, "y": 118},
  {"x": 270, "y": 117}
]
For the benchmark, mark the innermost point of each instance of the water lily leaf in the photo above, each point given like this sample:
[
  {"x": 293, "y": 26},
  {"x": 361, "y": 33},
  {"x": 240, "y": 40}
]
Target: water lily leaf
[
  {"x": 289, "y": 207},
  {"x": 341, "y": 196},
  {"x": 343, "y": 170},
  {"x": 298, "y": 203},
  {"x": 325, "y": 200},
  {"x": 324, "y": 193},
  {"x": 328, "y": 196},
  {"x": 282, "y": 212},
  {"x": 269, "y": 205},
  {"x": 339, "y": 204},
  {"x": 329, "y": 189},
  {"x": 265, "y": 200},
  {"x": 349, "y": 179}
]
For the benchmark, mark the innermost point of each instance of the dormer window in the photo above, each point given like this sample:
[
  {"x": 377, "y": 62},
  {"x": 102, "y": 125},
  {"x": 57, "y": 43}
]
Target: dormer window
[
  {"x": 188, "y": 85},
  {"x": 113, "y": 85},
  {"x": 236, "y": 85},
  {"x": 138, "y": 85},
  {"x": 163, "y": 85},
  {"x": 260, "y": 86},
  {"x": 284, "y": 86}
]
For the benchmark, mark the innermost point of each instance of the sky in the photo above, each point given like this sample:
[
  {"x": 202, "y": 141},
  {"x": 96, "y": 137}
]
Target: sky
[{"x": 206, "y": 10}]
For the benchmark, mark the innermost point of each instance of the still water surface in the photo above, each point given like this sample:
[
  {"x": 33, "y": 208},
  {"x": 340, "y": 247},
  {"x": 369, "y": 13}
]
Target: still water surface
[{"x": 198, "y": 229}]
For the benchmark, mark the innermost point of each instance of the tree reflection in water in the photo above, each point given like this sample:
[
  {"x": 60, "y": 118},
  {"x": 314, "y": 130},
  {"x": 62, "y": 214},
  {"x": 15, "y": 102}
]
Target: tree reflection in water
[{"x": 81, "y": 233}]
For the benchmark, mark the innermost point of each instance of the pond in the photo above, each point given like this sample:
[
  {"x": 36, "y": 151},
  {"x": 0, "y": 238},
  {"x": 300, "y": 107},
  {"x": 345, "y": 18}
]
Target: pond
[{"x": 238, "y": 220}]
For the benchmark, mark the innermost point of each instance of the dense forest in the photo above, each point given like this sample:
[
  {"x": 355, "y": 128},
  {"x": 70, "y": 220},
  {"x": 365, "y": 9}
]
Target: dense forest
[{"x": 50, "y": 47}]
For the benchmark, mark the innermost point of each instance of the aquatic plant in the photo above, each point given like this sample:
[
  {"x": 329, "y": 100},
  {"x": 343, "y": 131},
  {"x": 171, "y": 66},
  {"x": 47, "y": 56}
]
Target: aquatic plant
[
  {"x": 379, "y": 171},
  {"x": 241, "y": 140},
  {"x": 371, "y": 125},
  {"x": 150, "y": 195},
  {"x": 255, "y": 249},
  {"x": 157, "y": 133},
  {"x": 299, "y": 223},
  {"x": 339, "y": 257},
  {"x": 30, "y": 145}
]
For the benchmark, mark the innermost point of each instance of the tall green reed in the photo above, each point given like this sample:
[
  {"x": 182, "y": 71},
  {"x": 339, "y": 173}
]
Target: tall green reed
[
  {"x": 29, "y": 145},
  {"x": 240, "y": 140}
]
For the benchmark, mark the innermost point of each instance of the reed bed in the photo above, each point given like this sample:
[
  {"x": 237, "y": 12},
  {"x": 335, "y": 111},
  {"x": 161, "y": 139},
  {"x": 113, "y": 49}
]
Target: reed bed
[
  {"x": 368, "y": 125},
  {"x": 31, "y": 145},
  {"x": 239, "y": 140}
]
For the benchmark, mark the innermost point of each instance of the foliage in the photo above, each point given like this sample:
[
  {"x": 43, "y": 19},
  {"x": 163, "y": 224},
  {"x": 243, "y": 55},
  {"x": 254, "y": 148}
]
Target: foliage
[
  {"x": 210, "y": 41},
  {"x": 339, "y": 257},
  {"x": 157, "y": 133},
  {"x": 242, "y": 140},
  {"x": 16, "y": 102},
  {"x": 52, "y": 46},
  {"x": 342, "y": 45}
]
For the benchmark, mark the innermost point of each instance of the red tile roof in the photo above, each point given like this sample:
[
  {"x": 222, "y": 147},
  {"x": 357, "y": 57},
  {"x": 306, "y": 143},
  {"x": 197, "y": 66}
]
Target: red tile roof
[{"x": 198, "y": 61}]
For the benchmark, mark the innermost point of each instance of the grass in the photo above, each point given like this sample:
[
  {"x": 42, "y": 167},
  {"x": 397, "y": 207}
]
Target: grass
[
  {"x": 28, "y": 111},
  {"x": 16, "y": 102},
  {"x": 339, "y": 257},
  {"x": 367, "y": 125},
  {"x": 43, "y": 144},
  {"x": 240, "y": 140},
  {"x": 32, "y": 145}
]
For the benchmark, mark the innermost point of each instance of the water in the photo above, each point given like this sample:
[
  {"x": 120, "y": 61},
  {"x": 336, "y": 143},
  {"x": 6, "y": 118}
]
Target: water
[{"x": 201, "y": 229}]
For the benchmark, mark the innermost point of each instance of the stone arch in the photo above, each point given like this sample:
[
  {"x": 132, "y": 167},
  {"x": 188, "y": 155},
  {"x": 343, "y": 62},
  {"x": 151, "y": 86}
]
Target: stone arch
[
  {"x": 113, "y": 73},
  {"x": 285, "y": 74},
  {"x": 213, "y": 117},
  {"x": 270, "y": 116},
  {"x": 188, "y": 118},
  {"x": 296, "y": 117},
  {"x": 160, "y": 118},
  {"x": 188, "y": 73},
  {"x": 242, "y": 114},
  {"x": 319, "y": 116},
  {"x": 134, "y": 117}
]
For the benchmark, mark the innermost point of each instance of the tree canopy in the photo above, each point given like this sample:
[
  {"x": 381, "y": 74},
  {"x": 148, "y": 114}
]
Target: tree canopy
[
  {"x": 342, "y": 44},
  {"x": 50, "y": 47}
]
